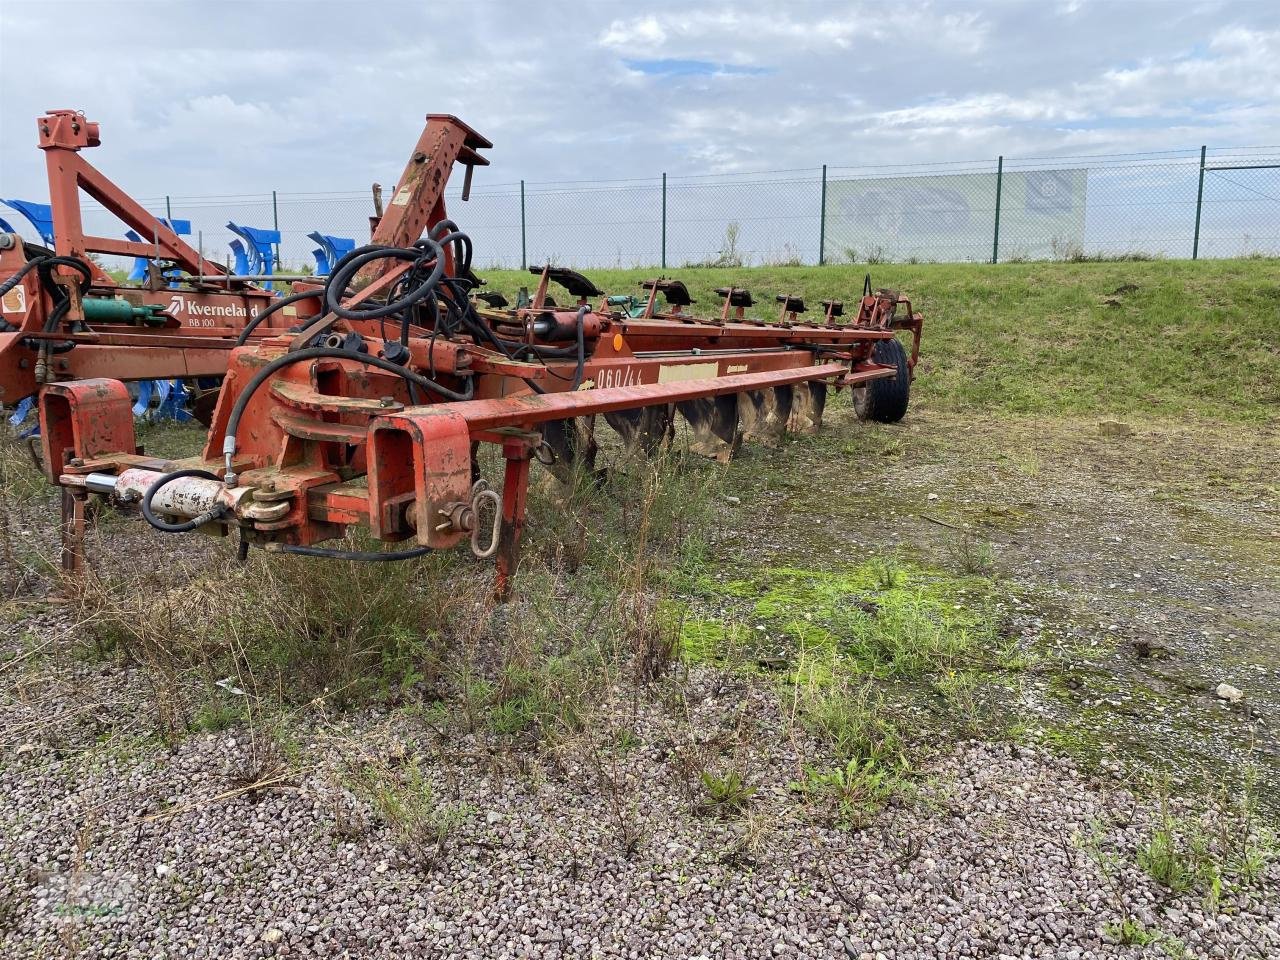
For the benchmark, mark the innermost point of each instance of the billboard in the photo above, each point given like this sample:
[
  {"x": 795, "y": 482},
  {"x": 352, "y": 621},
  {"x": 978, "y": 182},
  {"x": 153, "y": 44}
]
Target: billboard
[{"x": 952, "y": 216}]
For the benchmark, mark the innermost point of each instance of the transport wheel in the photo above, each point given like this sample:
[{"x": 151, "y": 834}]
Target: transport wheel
[{"x": 885, "y": 401}]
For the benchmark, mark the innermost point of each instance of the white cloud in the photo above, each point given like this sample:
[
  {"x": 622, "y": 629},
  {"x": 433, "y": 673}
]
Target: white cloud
[{"x": 260, "y": 96}]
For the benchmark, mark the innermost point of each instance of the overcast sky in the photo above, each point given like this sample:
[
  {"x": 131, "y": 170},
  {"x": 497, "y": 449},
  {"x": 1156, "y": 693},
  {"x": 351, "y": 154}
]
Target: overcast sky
[{"x": 229, "y": 97}]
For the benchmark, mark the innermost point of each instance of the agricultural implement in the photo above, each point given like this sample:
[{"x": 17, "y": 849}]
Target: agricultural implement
[{"x": 369, "y": 412}]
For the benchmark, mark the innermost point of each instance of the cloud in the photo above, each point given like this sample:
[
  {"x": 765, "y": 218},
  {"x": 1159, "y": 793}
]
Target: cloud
[{"x": 261, "y": 97}]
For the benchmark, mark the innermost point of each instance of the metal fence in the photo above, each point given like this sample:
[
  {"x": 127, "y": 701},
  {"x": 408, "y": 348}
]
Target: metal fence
[{"x": 1211, "y": 202}]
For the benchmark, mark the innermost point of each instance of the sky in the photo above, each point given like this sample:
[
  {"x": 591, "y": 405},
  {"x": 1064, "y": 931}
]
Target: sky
[{"x": 230, "y": 97}]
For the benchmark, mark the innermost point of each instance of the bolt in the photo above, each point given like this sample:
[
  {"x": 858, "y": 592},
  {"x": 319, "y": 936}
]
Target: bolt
[
  {"x": 419, "y": 157},
  {"x": 76, "y": 462},
  {"x": 387, "y": 401}
]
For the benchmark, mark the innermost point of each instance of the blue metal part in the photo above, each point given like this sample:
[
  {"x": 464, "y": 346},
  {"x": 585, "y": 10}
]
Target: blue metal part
[
  {"x": 20, "y": 413},
  {"x": 174, "y": 406},
  {"x": 255, "y": 254},
  {"x": 142, "y": 406},
  {"x": 241, "y": 265},
  {"x": 39, "y": 214},
  {"x": 22, "y": 410},
  {"x": 170, "y": 398},
  {"x": 331, "y": 250},
  {"x": 139, "y": 272}
]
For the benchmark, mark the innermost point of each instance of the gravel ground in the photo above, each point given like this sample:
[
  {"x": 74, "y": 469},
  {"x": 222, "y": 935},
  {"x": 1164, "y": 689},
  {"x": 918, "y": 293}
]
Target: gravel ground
[
  {"x": 273, "y": 841},
  {"x": 121, "y": 852}
]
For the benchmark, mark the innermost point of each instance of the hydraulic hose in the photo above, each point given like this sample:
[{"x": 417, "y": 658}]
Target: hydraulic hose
[
  {"x": 278, "y": 305},
  {"x": 347, "y": 268},
  {"x": 316, "y": 353},
  {"x": 17, "y": 277},
  {"x": 185, "y": 526}
]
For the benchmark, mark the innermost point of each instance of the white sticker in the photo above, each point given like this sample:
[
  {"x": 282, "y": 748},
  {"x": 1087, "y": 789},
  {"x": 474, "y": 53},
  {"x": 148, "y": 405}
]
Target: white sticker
[
  {"x": 15, "y": 301},
  {"x": 401, "y": 198}
]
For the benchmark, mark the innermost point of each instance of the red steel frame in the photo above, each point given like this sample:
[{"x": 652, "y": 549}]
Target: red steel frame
[{"x": 327, "y": 443}]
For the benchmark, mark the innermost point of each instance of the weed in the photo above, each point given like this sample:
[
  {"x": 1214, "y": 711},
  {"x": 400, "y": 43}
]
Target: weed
[
  {"x": 960, "y": 690},
  {"x": 855, "y": 790},
  {"x": 887, "y": 572},
  {"x": 726, "y": 793},
  {"x": 1166, "y": 857},
  {"x": 854, "y": 721},
  {"x": 515, "y": 714},
  {"x": 1131, "y": 933},
  {"x": 216, "y": 714},
  {"x": 421, "y": 824},
  {"x": 970, "y": 556},
  {"x": 1182, "y": 854},
  {"x": 729, "y": 255}
]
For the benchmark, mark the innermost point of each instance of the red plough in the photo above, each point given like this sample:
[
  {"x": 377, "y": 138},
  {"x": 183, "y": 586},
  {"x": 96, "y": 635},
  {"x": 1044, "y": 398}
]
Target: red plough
[{"x": 368, "y": 412}]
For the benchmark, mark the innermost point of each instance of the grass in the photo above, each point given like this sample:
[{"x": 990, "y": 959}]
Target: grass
[
  {"x": 1162, "y": 338},
  {"x": 420, "y": 822},
  {"x": 1225, "y": 848}
]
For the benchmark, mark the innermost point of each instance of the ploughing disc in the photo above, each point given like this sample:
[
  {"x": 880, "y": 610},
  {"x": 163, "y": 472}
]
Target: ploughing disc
[
  {"x": 808, "y": 401},
  {"x": 764, "y": 414},
  {"x": 643, "y": 428},
  {"x": 573, "y": 442},
  {"x": 713, "y": 426}
]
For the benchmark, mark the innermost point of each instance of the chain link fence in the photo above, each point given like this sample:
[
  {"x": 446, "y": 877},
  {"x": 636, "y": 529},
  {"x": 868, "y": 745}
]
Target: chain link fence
[{"x": 1215, "y": 202}]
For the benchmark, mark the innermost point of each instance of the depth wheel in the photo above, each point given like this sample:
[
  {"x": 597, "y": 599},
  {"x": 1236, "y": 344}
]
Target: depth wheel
[{"x": 885, "y": 401}]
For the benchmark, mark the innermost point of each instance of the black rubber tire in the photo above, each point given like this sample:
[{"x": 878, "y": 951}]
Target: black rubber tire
[{"x": 885, "y": 401}]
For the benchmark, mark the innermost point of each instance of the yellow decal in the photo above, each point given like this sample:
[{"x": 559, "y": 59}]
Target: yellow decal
[
  {"x": 15, "y": 301},
  {"x": 687, "y": 371}
]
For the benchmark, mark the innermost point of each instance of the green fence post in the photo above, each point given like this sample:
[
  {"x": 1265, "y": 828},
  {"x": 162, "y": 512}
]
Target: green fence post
[
  {"x": 664, "y": 221},
  {"x": 822, "y": 220},
  {"x": 168, "y": 209},
  {"x": 275, "y": 219},
  {"x": 995, "y": 244},
  {"x": 1195, "y": 243},
  {"x": 524, "y": 250}
]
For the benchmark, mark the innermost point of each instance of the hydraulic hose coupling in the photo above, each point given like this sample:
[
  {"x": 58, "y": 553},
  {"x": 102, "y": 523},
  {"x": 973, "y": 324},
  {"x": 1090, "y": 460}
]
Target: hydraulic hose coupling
[{"x": 229, "y": 452}]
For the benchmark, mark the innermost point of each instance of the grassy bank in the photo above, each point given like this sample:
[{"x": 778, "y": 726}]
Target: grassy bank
[{"x": 1162, "y": 338}]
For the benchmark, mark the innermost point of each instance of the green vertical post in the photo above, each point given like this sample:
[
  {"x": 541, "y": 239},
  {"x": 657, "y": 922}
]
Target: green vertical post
[
  {"x": 275, "y": 220},
  {"x": 524, "y": 252},
  {"x": 995, "y": 244},
  {"x": 168, "y": 209},
  {"x": 1195, "y": 244},
  {"x": 822, "y": 220},
  {"x": 664, "y": 221}
]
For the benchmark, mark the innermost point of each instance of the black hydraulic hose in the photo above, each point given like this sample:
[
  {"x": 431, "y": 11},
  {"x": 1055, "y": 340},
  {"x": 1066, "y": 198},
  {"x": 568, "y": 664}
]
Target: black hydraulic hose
[
  {"x": 187, "y": 525},
  {"x": 369, "y": 556},
  {"x": 347, "y": 268},
  {"x": 278, "y": 305},
  {"x": 45, "y": 266},
  {"x": 316, "y": 353},
  {"x": 17, "y": 277}
]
